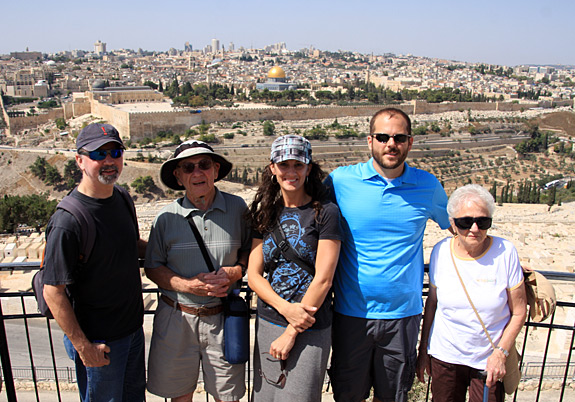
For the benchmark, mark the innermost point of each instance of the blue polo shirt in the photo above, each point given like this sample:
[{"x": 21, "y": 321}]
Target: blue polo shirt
[{"x": 380, "y": 269}]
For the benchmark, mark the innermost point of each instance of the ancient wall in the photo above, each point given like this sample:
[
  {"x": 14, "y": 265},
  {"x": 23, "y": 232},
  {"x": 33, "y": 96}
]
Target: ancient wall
[
  {"x": 18, "y": 124},
  {"x": 138, "y": 125},
  {"x": 118, "y": 118},
  {"x": 75, "y": 109},
  {"x": 149, "y": 124},
  {"x": 292, "y": 113},
  {"x": 5, "y": 115}
]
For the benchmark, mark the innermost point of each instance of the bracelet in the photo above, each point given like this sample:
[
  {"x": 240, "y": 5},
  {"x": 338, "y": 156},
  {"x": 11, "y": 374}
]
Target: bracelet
[
  {"x": 505, "y": 352},
  {"x": 244, "y": 268}
]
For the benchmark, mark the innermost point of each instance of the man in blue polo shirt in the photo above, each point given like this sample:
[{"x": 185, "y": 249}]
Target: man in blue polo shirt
[{"x": 378, "y": 282}]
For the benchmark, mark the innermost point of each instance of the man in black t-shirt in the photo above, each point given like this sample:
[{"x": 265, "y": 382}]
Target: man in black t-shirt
[{"x": 103, "y": 315}]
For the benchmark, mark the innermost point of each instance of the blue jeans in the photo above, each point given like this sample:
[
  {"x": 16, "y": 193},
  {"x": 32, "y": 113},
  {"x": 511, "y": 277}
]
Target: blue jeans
[{"x": 123, "y": 380}]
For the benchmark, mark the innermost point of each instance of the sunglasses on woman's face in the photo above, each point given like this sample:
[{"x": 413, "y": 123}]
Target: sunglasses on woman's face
[{"x": 465, "y": 223}]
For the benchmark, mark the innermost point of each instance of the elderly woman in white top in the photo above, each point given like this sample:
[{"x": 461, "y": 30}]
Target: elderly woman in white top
[{"x": 454, "y": 347}]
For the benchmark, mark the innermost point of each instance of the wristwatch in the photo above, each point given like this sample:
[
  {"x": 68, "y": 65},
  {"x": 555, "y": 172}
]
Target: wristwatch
[{"x": 505, "y": 352}]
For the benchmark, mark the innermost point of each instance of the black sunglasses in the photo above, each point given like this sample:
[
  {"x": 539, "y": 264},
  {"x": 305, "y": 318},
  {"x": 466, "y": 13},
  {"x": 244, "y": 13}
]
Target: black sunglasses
[
  {"x": 281, "y": 381},
  {"x": 100, "y": 155},
  {"x": 465, "y": 223},
  {"x": 398, "y": 138},
  {"x": 204, "y": 164}
]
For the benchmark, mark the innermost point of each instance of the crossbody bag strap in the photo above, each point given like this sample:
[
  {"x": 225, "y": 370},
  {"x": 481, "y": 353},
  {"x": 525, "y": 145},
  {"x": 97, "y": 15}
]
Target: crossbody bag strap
[
  {"x": 288, "y": 252},
  {"x": 201, "y": 244},
  {"x": 469, "y": 298}
]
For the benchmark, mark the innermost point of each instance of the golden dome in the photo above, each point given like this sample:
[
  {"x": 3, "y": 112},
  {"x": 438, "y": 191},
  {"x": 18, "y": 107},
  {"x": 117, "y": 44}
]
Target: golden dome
[{"x": 276, "y": 72}]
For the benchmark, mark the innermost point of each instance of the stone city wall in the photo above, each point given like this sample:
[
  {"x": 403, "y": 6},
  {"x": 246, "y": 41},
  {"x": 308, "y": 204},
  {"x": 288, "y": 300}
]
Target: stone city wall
[
  {"x": 75, "y": 109},
  {"x": 116, "y": 117},
  {"x": 138, "y": 125},
  {"x": 149, "y": 124},
  {"x": 18, "y": 124},
  {"x": 292, "y": 113}
]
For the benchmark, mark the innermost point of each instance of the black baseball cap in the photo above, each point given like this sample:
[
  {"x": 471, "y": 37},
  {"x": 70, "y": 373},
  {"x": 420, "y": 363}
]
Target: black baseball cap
[{"x": 95, "y": 135}]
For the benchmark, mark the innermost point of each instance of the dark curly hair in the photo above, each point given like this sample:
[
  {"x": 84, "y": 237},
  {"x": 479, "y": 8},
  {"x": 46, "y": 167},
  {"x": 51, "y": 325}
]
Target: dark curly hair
[{"x": 268, "y": 202}]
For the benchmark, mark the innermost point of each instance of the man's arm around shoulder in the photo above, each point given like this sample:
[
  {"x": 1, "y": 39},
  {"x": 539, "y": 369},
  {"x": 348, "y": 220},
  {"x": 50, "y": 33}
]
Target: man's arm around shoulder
[{"x": 92, "y": 354}]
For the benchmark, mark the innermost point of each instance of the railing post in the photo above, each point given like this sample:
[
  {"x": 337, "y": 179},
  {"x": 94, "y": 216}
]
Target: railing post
[{"x": 5, "y": 358}]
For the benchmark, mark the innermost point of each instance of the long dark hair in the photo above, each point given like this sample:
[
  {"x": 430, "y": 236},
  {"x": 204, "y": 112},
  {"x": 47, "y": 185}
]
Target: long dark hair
[{"x": 268, "y": 202}]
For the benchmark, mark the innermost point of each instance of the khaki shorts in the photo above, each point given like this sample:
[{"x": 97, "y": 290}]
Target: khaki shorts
[{"x": 180, "y": 342}]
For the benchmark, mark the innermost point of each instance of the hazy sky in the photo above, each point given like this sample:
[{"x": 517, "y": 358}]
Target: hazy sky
[{"x": 507, "y": 32}]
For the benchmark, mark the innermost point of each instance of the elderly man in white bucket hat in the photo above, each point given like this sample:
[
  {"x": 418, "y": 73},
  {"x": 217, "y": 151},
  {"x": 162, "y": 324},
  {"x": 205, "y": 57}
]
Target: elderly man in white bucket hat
[{"x": 188, "y": 324}]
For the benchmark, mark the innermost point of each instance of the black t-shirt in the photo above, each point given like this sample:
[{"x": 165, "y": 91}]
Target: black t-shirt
[
  {"x": 107, "y": 289},
  {"x": 287, "y": 279}
]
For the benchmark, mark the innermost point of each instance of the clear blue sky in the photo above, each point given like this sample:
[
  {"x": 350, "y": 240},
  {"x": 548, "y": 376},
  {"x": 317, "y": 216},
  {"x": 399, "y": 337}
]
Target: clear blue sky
[{"x": 507, "y": 32}]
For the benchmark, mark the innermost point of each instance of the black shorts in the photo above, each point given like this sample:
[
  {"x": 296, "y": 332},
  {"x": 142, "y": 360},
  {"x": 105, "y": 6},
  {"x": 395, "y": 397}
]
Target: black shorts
[{"x": 373, "y": 353}]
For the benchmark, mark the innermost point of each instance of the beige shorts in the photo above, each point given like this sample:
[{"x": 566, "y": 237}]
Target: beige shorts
[{"x": 179, "y": 343}]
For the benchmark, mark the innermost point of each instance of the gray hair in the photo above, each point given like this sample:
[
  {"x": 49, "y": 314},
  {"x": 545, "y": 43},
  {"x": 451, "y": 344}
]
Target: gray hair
[{"x": 469, "y": 192}]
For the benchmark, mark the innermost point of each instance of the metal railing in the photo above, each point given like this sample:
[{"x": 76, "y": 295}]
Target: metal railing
[{"x": 549, "y": 363}]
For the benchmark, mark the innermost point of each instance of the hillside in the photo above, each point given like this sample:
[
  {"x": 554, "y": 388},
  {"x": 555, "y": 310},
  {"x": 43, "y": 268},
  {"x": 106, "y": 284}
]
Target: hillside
[{"x": 455, "y": 158}]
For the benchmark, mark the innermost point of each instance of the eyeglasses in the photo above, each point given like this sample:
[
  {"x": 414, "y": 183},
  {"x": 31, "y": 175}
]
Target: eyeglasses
[
  {"x": 204, "y": 164},
  {"x": 398, "y": 138},
  {"x": 100, "y": 155},
  {"x": 465, "y": 223},
  {"x": 281, "y": 382}
]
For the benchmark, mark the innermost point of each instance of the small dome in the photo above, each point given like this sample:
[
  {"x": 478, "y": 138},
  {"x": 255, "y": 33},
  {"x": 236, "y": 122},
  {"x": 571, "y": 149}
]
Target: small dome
[
  {"x": 98, "y": 84},
  {"x": 276, "y": 72}
]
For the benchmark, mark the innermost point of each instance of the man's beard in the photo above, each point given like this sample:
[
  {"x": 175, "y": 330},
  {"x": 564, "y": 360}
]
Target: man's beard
[
  {"x": 108, "y": 178},
  {"x": 379, "y": 160}
]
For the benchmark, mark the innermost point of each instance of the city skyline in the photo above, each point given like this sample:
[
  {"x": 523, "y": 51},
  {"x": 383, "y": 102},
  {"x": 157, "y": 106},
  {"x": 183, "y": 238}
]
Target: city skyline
[{"x": 505, "y": 33}]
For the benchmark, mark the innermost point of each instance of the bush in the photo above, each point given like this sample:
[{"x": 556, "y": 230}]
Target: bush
[
  {"x": 269, "y": 128},
  {"x": 143, "y": 185}
]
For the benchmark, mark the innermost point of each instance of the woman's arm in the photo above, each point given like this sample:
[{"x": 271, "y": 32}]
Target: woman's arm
[
  {"x": 297, "y": 314},
  {"x": 423, "y": 362},
  {"x": 326, "y": 261},
  {"x": 517, "y": 301}
]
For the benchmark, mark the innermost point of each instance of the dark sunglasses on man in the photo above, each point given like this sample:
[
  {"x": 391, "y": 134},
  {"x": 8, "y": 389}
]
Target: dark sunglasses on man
[
  {"x": 100, "y": 154},
  {"x": 204, "y": 164},
  {"x": 397, "y": 138},
  {"x": 466, "y": 222}
]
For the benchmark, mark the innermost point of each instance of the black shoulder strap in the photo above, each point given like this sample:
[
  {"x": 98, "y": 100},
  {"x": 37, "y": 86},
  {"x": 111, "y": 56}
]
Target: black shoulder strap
[
  {"x": 128, "y": 198},
  {"x": 87, "y": 225},
  {"x": 201, "y": 244},
  {"x": 288, "y": 252}
]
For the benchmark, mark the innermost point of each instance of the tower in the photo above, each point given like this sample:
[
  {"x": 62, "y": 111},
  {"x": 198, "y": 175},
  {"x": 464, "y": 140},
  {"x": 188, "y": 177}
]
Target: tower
[
  {"x": 215, "y": 45},
  {"x": 99, "y": 48}
]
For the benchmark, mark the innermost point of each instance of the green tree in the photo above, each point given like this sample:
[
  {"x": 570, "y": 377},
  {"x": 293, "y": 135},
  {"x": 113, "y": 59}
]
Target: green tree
[
  {"x": 38, "y": 168},
  {"x": 143, "y": 185},
  {"x": 551, "y": 198},
  {"x": 269, "y": 128},
  {"x": 151, "y": 84},
  {"x": 53, "y": 176},
  {"x": 72, "y": 173},
  {"x": 61, "y": 123},
  {"x": 33, "y": 210},
  {"x": 493, "y": 190}
]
